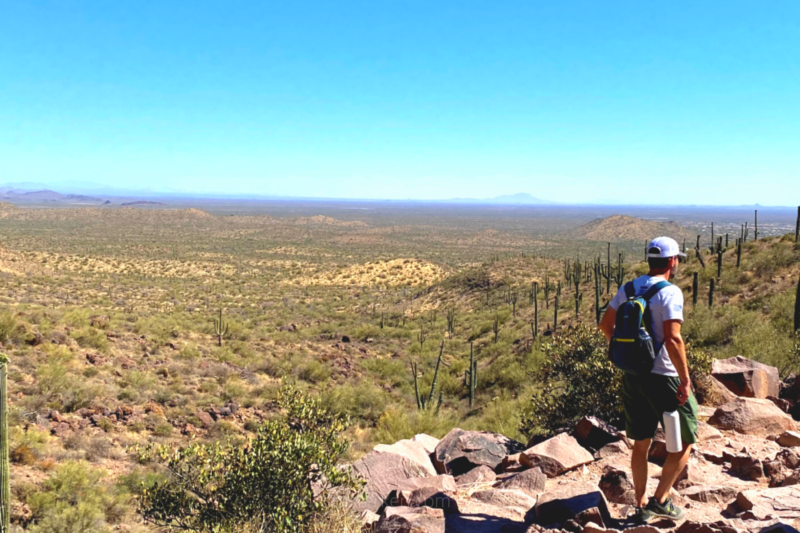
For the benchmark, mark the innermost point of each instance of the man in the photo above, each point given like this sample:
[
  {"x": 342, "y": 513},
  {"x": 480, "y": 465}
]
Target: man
[{"x": 667, "y": 388}]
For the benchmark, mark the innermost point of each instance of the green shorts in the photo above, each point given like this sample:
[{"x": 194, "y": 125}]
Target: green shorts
[{"x": 647, "y": 398}]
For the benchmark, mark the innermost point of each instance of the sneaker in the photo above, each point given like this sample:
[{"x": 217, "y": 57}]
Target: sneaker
[
  {"x": 641, "y": 516},
  {"x": 665, "y": 510}
]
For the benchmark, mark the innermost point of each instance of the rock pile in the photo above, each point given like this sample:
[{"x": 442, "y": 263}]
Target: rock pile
[{"x": 743, "y": 475}]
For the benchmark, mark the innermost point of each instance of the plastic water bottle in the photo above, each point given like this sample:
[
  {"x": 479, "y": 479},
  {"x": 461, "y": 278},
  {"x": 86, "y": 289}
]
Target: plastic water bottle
[{"x": 672, "y": 432}]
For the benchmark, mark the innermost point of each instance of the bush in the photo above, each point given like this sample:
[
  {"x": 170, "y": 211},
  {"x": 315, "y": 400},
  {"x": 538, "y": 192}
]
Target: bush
[
  {"x": 266, "y": 482},
  {"x": 577, "y": 380},
  {"x": 74, "y": 500}
]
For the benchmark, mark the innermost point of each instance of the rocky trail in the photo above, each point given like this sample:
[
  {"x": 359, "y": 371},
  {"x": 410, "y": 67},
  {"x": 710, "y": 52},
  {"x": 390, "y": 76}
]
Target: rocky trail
[{"x": 743, "y": 475}]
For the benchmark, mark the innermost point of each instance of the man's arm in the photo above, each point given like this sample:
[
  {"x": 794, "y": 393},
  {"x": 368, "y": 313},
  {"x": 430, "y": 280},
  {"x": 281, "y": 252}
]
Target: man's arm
[
  {"x": 608, "y": 321},
  {"x": 677, "y": 354}
]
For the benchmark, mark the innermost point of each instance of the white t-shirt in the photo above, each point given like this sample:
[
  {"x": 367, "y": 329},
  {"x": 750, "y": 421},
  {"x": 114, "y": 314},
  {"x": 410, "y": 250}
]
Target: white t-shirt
[{"x": 666, "y": 305}]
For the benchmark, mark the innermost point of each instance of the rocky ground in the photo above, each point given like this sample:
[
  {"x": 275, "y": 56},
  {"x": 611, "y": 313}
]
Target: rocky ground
[{"x": 743, "y": 475}]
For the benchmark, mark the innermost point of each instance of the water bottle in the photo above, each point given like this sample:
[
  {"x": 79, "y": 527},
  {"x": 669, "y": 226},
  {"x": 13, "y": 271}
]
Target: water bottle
[{"x": 672, "y": 432}]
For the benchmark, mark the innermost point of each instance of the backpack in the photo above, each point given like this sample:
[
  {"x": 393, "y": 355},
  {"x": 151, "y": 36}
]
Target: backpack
[{"x": 631, "y": 348}]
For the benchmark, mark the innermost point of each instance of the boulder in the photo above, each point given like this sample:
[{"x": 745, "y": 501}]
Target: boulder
[
  {"x": 752, "y": 417},
  {"x": 618, "y": 448},
  {"x": 556, "y": 455},
  {"x": 383, "y": 473},
  {"x": 506, "y": 498},
  {"x": 783, "y": 502},
  {"x": 707, "y": 432},
  {"x": 414, "y": 451},
  {"x": 710, "y": 494},
  {"x": 617, "y": 487},
  {"x": 426, "y": 441},
  {"x": 482, "y": 474},
  {"x": 747, "y": 378},
  {"x": 460, "y": 451},
  {"x": 747, "y": 467},
  {"x": 789, "y": 439},
  {"x": 531, "y": 482},
  {"x": 411, "y": 520},
  {"x": 593, "y": 433},
  {"x": 565, "y": 504},
  {"x": 428, "y": 497},
  {"x": 511, "y": 463},
  {"x": 717, "y": 394}
]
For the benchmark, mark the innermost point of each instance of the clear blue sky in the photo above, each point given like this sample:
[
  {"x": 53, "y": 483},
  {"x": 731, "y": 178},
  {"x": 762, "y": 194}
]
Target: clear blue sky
[{"x": 570, "y": 101}]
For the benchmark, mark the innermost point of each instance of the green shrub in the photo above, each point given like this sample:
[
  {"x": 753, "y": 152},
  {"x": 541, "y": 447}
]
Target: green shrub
[
  {"x": 75, "y": 500},
  {"x": 217, "y": 486},
  {"x": 576, "y": 379},
  {"x": 8, "y": 326}
]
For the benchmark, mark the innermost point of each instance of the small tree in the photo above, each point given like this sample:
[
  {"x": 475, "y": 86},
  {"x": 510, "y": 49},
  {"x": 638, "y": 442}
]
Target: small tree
[
  {"x": 271, "y": 480},
  {"x": 577, "y": 380}
]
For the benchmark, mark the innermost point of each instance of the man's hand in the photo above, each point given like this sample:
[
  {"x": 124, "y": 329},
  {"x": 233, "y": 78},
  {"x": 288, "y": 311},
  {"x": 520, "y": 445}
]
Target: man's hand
[{"x": 684, "y": 390}]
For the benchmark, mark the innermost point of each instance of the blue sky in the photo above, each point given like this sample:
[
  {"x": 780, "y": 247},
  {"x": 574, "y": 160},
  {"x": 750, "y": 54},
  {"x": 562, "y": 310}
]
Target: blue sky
[{"x": 651, "y": 102}]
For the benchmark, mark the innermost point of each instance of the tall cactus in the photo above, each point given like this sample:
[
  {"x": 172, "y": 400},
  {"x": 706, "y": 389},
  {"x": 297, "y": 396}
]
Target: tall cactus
[
  {"x": 797, "y": 308},
  {"x": 738, "y": 253},
  {"x": 220, "y": 328},
  {"x": 420, "y": 400},
  {"x": 719, "y": 264},
  {"x": 421, "y": 336},
  {"x": 797, "y": 227},
  {"x": 546, "y": 291},
  {"x": 535, "y": 310},
  {"x": 513, "y": 299},
  {"x": 555, "y": 314},
  {"x": 755, "y": 228},
  {"x": 496, "y": 327},
  {"x": 5, "y": 474},
  {"x": 451, "y": 321},
  {"x": 695, "y": 289},
  {"x": 711, "y": 294},
  {"x": 436, "y": 374},
  {"x": 473, "y": 375}
]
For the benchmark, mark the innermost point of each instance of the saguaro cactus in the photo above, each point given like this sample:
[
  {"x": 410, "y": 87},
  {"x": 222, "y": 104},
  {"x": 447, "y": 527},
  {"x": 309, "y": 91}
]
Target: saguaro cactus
[
  {"x": 755, "y": 228},
  {"x": 711, "y": 294},
  {"x": 738, "y": 253},
  {"x": 535, "y": 310},
  {"x": 694, "y": 290},
  {"x": 436, "y": 375},
  {"x": 719, "y": 264},
  {"x": 473, "y": 375},
  {"x": 5, "y": 475},
  {"x": 451, "y": 321},
  {"x": 220, "y": 328},
  {"x": 797, "y": 227},
  {"x": 555, "y": 314},
  {"x": 496, "y": 327},
  {"x": 796, "y": 312}
]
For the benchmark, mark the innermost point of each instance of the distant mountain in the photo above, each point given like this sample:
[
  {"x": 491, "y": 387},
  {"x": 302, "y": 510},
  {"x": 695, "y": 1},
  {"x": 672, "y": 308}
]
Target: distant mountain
[
  {"x": 520, "y": 198},
  {"x": 618, "y": 228},
  {"x": 14, "y": 194}
]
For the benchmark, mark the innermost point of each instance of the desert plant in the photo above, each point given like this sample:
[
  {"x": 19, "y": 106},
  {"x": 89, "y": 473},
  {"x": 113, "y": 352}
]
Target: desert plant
[
  {"x": 471, "y": 375},
  {"x": 711, "y": 294},
  {"x": 220, "y": 328},
  {"x": 576, "y": 379},
  {"x": 271, "y": 480},
  {"x": 496, "y": 327},
  {"x": 5, "y": 472}
]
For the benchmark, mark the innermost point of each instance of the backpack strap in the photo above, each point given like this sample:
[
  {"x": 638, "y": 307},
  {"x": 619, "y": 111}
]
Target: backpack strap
[
  {"x": 655, "y": 289},
  {"x": 630, "y": 292}
]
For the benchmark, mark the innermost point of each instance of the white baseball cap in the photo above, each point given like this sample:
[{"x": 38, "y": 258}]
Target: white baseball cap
[{"x": 666, "y": 246}]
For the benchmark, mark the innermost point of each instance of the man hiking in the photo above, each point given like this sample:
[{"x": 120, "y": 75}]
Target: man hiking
[{"x": 648, "y": 395}]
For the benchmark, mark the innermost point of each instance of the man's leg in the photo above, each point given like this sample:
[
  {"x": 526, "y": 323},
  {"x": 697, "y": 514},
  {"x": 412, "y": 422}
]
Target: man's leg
[
  {"x": 639, "y": 470},
  {"x": 673, "y": 467}
]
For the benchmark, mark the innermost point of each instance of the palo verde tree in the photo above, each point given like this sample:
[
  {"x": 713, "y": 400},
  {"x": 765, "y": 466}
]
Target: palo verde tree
[{"x": 268, "y": 481}]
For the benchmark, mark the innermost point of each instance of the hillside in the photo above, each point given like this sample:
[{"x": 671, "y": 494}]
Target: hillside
[
  {"x": 618, "y": 228},
  {"x": 108, "y": 320}
]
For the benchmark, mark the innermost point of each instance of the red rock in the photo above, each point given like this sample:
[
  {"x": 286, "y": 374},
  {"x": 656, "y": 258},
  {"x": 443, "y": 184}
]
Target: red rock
[
  {"x": 482, "y": 474},
  {"x": 384, "y": 473},
  {"x": 617, "y": 486},
  {"x": 747, "y": 467},
  {"x": 747, "y": 378},
  {"x": 593, "y": 433},
  {"x": 205, "y": 419},
  {"x": 559, "y": 506},
  {"x": 411, "y": 520},
  {"x": 506, "y": 498},
  {"x": 511, "y": 463},
  {"x": 414, "y": 451},
  {"x": 781, "y": 502},
  {"x": 618, "y": 448},
  {"x": 428, "y": 443},
  {"x": 531, "y": 482},
  {"x": 460, "y": 451},
  {"x": 789, "y": 439},
  {"x": 556, "y": 455},
  {"x": 752, "y": 417},
  {"x": 428, "y": 497},
  {"x": 710, "y": 494}
]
